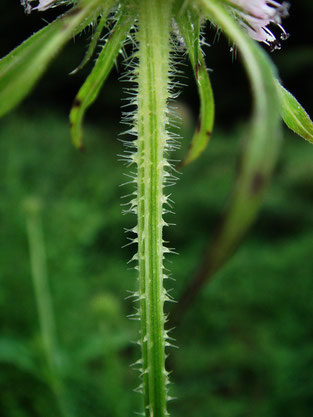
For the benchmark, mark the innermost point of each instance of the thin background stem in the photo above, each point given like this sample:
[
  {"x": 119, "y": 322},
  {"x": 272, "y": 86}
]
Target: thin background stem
[{"x": 44, "y": 305}]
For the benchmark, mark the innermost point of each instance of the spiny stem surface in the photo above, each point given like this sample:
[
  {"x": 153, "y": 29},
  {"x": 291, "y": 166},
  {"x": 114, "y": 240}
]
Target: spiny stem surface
[{"x": 153, "y": 92}]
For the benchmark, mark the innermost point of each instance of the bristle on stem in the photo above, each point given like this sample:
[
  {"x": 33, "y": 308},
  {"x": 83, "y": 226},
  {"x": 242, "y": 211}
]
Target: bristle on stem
[{"x": 151, "y": 70}]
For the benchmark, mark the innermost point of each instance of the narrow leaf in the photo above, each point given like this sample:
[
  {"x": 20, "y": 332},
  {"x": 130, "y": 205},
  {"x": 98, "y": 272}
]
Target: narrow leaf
[
  {"x": 294, "y": 115},
  {"x": 257, "y": 160},
  {"x": 189, "y": 26},
  {"x": 261, "y": 146},
  {"x": 93, "y": 43},
  {"x": 21, "y": 69},
  {"x": 92, "y": 86}
]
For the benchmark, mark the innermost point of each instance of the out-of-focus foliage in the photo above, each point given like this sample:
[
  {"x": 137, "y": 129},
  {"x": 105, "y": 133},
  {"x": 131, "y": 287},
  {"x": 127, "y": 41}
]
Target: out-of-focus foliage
[{"x": 247, "y": 343}]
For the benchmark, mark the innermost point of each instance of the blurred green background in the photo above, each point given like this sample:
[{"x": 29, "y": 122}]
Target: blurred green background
[{"x": 246, "y": 345}]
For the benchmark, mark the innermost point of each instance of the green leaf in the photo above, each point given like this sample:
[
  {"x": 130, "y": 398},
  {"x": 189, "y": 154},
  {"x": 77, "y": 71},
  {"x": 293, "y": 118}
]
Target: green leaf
[
  {"x": 257, "y": 159},
  {"x": 21, "y": 69},
  {"x": 93, "y": 43},
  {"x": 92, "y": 86},
  {"x": 189, "y": 26},
  {"x": 260, "y": 147},
  {"x": 294, "y": 115}
]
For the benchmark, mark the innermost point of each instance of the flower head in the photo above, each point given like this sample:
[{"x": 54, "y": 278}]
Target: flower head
[{"x": 256, "y": 15}]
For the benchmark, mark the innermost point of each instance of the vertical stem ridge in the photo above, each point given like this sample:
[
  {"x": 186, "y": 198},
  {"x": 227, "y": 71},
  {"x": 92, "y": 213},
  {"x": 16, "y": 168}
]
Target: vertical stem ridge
[{"x": 153, "y": 92}]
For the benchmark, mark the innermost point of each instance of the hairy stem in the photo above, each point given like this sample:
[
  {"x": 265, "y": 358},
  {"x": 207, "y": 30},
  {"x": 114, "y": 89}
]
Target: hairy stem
[{"x": 151, "y": 119}]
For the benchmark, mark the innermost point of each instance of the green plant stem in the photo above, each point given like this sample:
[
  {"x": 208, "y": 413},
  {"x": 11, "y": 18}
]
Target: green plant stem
[
  {"x": 40, "y": 281},
  {"x": 44, "y": 305},
  {"x": 153, "y": 79}
]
